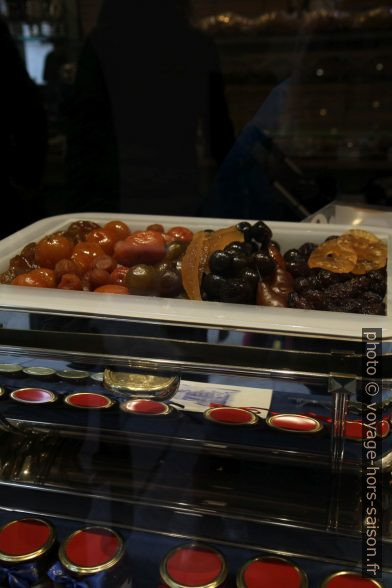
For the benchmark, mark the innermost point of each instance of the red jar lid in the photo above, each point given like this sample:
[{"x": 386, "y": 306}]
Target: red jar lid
[
  {"x": 346, "y": 579},
  {"x": 271, "y": 572},
  {"x": 91, "y": 550},
  {"x": 356, "y": 430},
  {"x": 294, "y": 423},
  {"x": 228, "y": 415},
  {"x": 193, "y": 566},
  {"x": 25, "y": 540},
  {"x": 88, "y": 400},
  {"x": 33, "y": 395},
  {"x": 146, "y": 407}
]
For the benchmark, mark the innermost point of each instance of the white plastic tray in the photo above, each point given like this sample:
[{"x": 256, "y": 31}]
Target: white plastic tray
[{"x": 177, "y": 311}]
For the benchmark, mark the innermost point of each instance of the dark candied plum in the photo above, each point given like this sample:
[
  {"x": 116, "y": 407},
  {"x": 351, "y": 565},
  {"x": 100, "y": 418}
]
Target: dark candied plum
[
  {"x": 378, "y": 287},
  {"x": 306, "y": 249},
  {"x": 298, "y": 268},
  {"x": 292, "y": 255},
  {"x": 245, "y": 229},
  {"x": 302, "y": 284},
  {"x": 220, "y": 263},
  {"x": 211, "y": 285},
  {"x": 379, "y": 275},
  {"x": 316, "y": 298},
  {"x": 295, "y": 300},
  {"x": 351, "y": 305},
  {"x": 261, "y": 233},
  {"x": 239, "y": 262},
  {"x": 250, "y": 275},
  {"x": 276, "y": 244},
  {"x": 350, "y": 289},
  {"x": 264, "y": 264},
  {"x": 234, "y": 247},
  {"x": 170, "y": 284},
  {"x": 237, "y": 291},
  {"x": 326, "y": 278},
  {"x": 370, "y": 296}
]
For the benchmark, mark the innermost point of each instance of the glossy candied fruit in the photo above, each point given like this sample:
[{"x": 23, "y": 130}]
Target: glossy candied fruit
[{"x": 333, "y": 255}]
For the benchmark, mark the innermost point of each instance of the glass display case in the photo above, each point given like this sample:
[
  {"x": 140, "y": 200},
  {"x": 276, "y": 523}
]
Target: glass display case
[{"x": 186, "y": 433}]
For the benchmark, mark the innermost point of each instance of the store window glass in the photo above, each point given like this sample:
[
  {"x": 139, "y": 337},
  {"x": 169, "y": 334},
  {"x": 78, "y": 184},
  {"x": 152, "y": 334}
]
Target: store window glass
[{"x": 219, "y": 108}]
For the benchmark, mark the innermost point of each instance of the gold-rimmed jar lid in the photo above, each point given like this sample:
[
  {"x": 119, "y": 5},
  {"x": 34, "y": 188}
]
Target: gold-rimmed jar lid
[
  {"x": 88, "y": 400},
  {"x": 146, "y": 407},
  {"x": 350, "y": 579},
  {"x": 357, "y": 430},
  {"x": 294, "y": 423},
  {"x": 73, "y": 375},
  {"x": 33, "y": 395},
  {"x": 231, "y": 415},
  {"x": 141, "y": 385},
  {"x": 25, "y": 540},
  {"x": 97, "y": 377},
  {"x": 91, "y": 550},
  {"x": 39, "y": 372},
  {"x": 271, "y": 571},
  {"x": 193, "y": 565},
  {"x": 10, "y": 369}
]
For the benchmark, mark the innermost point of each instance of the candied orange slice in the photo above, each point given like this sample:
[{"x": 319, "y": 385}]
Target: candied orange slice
[
  {"x": 195, "y": 261},
  {"x": 371, "y": 251},
  {"x": 193, "y": 264},
  {"x": 334, "y": 256}
]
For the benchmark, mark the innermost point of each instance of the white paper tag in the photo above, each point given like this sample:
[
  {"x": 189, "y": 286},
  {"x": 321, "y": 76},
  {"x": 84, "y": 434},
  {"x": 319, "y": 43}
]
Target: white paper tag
[{"x": 198, "y": 396}]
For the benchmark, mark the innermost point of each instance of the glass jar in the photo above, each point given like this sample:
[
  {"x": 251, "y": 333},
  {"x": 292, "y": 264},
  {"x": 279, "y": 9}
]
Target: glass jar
[
  {"x": 271, "y": 572},
  {"x": 348, "y": 579},
  {"x": 95, "y": 556},
  {"x": 27, "y": 549},
  {"x": 196, "y": 565}
]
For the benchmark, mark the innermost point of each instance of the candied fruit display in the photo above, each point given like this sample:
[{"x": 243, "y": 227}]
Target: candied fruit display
[{"x": 239, "y": 264}]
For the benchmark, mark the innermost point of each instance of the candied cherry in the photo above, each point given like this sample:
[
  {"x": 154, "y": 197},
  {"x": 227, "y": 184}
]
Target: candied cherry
[
  {"x": 36, "y": 278},
  {"x": 181, "y": 234},
  {"x": 84, "y": 254},
  {"x": 52, "y": 249},
  {"x": 112, "y": 289},
  {"x": 157, "y": 227},
  {"x": 118, "y": 275},
  {"x": 106, "y": 239},
  {"x": 119, "y": 228},
  {"x": 70, "y": 281}
]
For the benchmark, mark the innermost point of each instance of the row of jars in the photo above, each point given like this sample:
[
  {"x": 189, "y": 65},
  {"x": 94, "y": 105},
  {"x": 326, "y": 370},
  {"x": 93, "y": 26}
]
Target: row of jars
[
  {"x": 355, "y": 430},
  {"x": 95, "y": 557}
]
